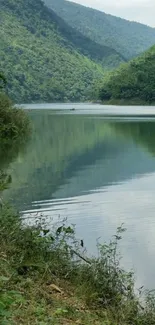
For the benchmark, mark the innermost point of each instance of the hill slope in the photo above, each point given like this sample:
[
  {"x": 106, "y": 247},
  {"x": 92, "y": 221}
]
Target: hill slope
[
  {"x": 103, "y": 54},
  {"x": 39, "y": 54},
  {"x": 132, "y": 82},
  {"x": 128, "y": 38}
]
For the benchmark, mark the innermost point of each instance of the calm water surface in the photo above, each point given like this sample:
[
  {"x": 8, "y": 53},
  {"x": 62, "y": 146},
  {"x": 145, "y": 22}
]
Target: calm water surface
[{"x": 98, "y": 171}]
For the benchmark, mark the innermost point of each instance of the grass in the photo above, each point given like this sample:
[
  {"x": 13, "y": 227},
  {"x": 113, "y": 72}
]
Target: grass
[{"x": 46, "y": 278}]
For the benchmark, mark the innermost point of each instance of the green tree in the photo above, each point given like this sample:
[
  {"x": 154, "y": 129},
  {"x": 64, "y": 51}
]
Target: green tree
[
  {"x": 132, "y": 82},
  {"x": 2, "y": 80}
]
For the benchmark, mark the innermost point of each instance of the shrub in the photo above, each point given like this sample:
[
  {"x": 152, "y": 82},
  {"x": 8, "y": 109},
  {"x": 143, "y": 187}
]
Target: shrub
[{"x": 14, "y": 122}]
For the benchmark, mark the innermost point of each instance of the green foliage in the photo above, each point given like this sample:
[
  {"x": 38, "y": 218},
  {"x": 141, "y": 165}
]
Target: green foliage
[
  {"x": 33, "y": 254},
  {"x": 14, "y": 122},
  {"x": 107, "y": 283},
  {"x": 7, "y": 299},
  {"x": 134, "y": 81},
  {"x": 2, "y": 81},
  {"x": 14, "y": 127},
  {"x": 5, "y": 180},
  {"x": 127, "y": 38},
  {"x": 42, "y": 57}
]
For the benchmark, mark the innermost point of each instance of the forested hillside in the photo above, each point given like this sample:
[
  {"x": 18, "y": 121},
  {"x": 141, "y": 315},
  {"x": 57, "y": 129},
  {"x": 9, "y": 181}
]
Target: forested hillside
[
  {"x": 133, "y": 82},
  {"x": 42, "y": 58},
  {"x": 128, "y": 38}
]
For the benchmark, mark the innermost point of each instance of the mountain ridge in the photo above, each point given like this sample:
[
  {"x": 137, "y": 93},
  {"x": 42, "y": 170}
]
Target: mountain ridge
[
  {"x": 128, "y": 38},
  {"x": 41, "y": 63}
]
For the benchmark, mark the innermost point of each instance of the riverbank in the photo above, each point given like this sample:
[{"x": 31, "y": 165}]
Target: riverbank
[
  {"x": 47, "y": 278},
  {"x": 124, "y": 102}
]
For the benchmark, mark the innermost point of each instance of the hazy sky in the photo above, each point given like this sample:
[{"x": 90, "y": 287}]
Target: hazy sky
[{"x": 137, "y": 10}]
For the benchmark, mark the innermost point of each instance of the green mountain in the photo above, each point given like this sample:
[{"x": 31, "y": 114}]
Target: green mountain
[
  {"x": 128, "y": 38},
  {"x": 133, "y": 82},
  {"x": 43, "y": 58}
]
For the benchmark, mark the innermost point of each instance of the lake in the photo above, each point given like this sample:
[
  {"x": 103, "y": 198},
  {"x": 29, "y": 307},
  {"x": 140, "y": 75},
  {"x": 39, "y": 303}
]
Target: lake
[{"x": 95, "y": 166}]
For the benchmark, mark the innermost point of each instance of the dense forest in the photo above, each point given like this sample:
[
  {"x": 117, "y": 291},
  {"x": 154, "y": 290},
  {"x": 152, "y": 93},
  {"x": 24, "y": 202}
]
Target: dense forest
[
  {"x": 47, "y": 55},
  {"x": 128, "y": 38},
  {"x": 133, "y": 82},
  {"x": 43, "y": 59}
]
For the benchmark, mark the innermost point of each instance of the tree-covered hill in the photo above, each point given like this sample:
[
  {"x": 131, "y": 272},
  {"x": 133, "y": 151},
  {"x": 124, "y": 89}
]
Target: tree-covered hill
[
  {"x": 133, "y": 82},
  {"x": 42, "y": 58},
  {"x": 103, "y": 54},
  {"x": 128, "y": 38}
]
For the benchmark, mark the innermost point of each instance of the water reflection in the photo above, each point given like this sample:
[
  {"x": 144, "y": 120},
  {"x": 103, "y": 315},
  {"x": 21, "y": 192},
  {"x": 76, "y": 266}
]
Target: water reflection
[{"x": 98, "y": 174}]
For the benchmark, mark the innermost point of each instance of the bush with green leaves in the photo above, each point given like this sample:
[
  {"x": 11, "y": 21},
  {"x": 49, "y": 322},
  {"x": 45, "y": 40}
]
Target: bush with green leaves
[{"x": 14, "y": 121}]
